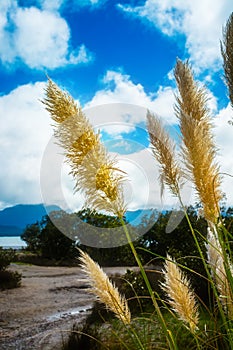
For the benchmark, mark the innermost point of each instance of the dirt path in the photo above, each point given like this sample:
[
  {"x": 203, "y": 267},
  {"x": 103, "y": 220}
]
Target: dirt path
[{"x": 49, "y": 302}]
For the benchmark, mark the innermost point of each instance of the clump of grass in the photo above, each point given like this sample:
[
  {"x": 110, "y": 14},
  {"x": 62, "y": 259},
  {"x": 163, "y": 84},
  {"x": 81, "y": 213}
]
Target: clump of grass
[{"x": 101, "y": 180}]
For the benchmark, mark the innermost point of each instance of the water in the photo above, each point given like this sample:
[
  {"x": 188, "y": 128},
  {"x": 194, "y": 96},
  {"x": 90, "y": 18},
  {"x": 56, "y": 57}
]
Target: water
[
  {"x": 14, "y": 242},
  {"x": 71, "y": 312}
]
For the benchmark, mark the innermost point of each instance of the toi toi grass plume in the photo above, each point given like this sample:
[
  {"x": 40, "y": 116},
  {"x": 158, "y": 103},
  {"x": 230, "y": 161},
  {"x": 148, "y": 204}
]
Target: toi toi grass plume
[
  {"x": 198, "y": 148},
  {"x": 95, "y": 173},
  {"x": 163, "y": 149},
  {"x": 104, "y": 289},
  {"x": 180, "y": 294}
]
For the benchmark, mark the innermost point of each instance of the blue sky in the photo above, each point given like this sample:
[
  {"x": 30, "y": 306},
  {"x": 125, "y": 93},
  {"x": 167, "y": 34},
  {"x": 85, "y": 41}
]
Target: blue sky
[{"x": 116, "y": 58}]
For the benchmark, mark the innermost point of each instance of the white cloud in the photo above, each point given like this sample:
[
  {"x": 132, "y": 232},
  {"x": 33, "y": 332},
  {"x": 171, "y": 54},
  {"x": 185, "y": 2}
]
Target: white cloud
[
  {"x": 223, "y": 135},
  {"x": 24, "y": 134},
  {"x": 128, "y": 103},
  {"x": 142, "y": 188},
  {"x": 24, "y": 137},
  {"x": 200, "y": 21},
  {"x": 92, "y": 3},
  {"x": 51, "y": 5},
  {"x": 80, "y": 55},
  {"x": 39, "y": 38}
]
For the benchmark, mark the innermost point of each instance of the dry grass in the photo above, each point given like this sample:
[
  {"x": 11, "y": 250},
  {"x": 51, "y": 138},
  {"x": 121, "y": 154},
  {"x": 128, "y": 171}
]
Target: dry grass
[
  {"x": 163, "y": 149},
  {"x": 96, "y": 174},
  {"x": 198, "y": 147},
  {"x": 180, "y": 294},
  {"x": 104, "y": 289}
]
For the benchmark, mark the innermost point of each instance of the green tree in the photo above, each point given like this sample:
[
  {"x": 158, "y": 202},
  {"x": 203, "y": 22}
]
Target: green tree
[
  {"x": 31, "y": 236},
  {"x": 118, "y": 253},
  {"x": 54, "y": 244}
]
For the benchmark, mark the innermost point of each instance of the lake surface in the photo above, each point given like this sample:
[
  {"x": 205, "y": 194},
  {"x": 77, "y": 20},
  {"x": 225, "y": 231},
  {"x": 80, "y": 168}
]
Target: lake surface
[{"x": 14, "y": 242}]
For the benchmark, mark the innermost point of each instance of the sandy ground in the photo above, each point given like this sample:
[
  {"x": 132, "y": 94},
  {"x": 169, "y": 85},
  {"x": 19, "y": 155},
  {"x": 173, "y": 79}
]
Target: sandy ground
[{"x": 43, "y": 310}]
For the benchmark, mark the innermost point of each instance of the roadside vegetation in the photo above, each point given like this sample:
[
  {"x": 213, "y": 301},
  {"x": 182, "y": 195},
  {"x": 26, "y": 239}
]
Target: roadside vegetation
[{"x": 8, "y": 279}]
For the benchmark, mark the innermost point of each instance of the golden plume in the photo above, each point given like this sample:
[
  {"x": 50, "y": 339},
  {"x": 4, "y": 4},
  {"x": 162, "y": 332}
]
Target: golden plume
[
  {"x": 104, "y": 289},
  {"x": 95, "y": 173},
  {"x": 198, "y": 148},
  {"x": 180, "y": 295},
  {"x": 163, "y": 149}
]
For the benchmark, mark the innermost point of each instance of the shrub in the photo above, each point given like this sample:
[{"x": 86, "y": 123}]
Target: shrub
[
  {"x": 82, "y": 338},
  {"x": 8, "y": 279},
  {"x": 6, "y": 257}
]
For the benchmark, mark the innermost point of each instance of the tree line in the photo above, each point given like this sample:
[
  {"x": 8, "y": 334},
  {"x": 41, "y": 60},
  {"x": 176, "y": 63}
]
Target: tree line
[{"x": 45, "y": 239}]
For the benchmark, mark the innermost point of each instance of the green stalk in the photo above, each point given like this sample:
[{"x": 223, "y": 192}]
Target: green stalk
[{"x": 167, "y": 332}]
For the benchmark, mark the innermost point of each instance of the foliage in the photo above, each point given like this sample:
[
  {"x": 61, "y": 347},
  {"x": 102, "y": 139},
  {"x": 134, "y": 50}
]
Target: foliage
[
  {"x": 119, "y": 253},
  {"x": 54, "y": 244},
  {"x": 106, "y": 334},
  {"x": 6, "y": 257},
  {"x": 46, "y": 239},
  {"x": 82, "y": 338},
  {"x": 180, "y": 244},
  {"x": 31, "y": 236},
  {"x": 8, "y": 279}
]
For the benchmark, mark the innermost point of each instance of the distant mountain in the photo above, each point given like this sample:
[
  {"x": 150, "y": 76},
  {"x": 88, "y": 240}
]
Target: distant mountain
[{"x": 14, "y": 219}]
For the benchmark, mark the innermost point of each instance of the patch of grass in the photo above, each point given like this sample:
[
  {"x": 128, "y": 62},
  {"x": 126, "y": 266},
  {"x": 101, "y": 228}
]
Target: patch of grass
[
  {"x": 83, "y": 338},
  {"x": 96, "y": 334}
]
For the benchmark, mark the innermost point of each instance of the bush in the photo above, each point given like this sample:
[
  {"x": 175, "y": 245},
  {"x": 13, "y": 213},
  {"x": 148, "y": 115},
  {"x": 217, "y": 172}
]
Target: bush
[
  {"x": 133, "y": 286},
  {"x": 9, "y": 279},
  {"x": 82, "y": 338},
  {"x": 6, "y": 257}
]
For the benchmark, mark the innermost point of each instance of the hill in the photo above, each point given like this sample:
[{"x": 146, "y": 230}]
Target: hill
[{"x": 14, "y": 219}]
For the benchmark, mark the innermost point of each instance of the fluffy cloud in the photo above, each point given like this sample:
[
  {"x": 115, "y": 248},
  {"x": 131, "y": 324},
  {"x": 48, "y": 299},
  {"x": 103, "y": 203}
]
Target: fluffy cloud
[
  {"x": 38, "y": 37},
  {"x": 223, "y": 135},
  {"x": 51, "y": 5},
  {"x": 199, "y": 21},
  {"x": 123, "y": 104},
  {"x": 24, "y": 134},
  {"x": 81, "y": 3},
  {"x": 119, "y": 89},
  {"x": 32, "y": 166}
]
